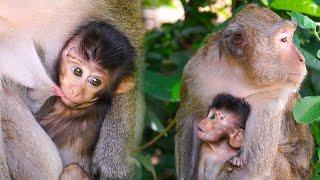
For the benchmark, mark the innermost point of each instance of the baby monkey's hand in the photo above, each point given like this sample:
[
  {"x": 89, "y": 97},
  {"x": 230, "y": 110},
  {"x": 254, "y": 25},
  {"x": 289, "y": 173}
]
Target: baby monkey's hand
[{"x": 236, "y": 138}]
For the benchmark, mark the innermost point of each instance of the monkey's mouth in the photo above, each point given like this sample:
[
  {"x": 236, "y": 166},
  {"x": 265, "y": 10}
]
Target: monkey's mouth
[
  {"x": 298, "y": 74},
  {"x": 68, "y": 101}
]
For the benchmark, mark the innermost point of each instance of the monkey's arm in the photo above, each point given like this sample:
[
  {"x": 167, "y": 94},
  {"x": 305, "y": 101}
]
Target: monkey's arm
[
  {"x": 294, "y": 136},
  {"x": 187, "y": 151},
  {"x": 112, "y": 156}
]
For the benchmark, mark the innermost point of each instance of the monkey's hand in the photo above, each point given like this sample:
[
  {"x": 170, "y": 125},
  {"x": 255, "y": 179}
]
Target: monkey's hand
[
  {"x": 236, "y": 138},
  {"x": 236, "y": 161}
]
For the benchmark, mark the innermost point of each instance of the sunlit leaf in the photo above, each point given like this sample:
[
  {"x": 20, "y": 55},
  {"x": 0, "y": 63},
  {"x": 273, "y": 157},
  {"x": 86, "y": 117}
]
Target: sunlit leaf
[
  {"x": 307, "y": 110},
  {"x": 318, "y": 53},
  {"x": 154, "y": 122},
  {"x": 303, "y": 21},
  {"x": 265, "y": 2},
  {"x": 303, "y": 6}
]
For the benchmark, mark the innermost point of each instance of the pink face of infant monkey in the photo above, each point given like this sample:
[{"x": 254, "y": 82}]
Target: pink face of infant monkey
[{"x": 222, "y": 131}]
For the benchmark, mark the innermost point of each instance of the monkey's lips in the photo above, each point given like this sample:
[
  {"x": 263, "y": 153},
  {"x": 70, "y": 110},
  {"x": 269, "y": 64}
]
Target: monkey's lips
[
  {"x": 297, "y": 77},
  {"x": 68, "y": 101},
  {"x": 298, "y": 74}
]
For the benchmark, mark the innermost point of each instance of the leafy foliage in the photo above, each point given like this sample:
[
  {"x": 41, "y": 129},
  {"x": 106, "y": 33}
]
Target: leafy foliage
[{"x": 168, "y": 49}]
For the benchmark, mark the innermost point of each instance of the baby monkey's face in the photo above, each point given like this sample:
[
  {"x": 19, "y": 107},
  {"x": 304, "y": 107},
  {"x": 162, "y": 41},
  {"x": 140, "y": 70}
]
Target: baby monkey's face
[
  {"x": 217, "y": 119},
  {"x": 81, "y": 80}
]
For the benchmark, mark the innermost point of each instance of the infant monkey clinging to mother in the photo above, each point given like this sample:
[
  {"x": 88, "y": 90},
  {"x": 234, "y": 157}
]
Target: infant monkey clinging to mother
[
  {"x": 95, "y": 63},
  {"x": 222, "y": 132}
]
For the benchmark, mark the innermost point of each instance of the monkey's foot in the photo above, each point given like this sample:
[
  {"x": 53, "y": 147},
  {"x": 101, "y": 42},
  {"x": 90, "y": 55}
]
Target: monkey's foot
[{"x": 236, "y": 161}]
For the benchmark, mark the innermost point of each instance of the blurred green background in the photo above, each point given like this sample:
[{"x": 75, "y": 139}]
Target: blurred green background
[{"x": 176, "y": 29}]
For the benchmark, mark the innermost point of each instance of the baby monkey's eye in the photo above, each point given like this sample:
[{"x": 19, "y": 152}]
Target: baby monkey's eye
[
  {"x": 77, "y": 71},
  {"x": 213, "y": 116},
  {"x": 95, "y": 81}
]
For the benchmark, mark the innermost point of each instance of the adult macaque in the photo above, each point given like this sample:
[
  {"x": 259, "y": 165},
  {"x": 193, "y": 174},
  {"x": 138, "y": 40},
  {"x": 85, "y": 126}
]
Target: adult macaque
[
  {"x": 254, "y": 58},
  {"x": 33, "y": 32},
  {"x": 222, "y": 133},
  {"x": 91, "y": 66}
]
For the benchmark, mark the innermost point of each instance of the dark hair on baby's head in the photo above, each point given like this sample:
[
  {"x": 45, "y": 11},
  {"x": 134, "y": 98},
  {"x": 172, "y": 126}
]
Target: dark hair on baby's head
[
  {"x": 109, "y": 47},
  {"x": 232, "y": 104}
]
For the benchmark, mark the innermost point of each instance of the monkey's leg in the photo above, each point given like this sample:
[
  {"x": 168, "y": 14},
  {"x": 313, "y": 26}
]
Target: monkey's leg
[
  {"x": 30, "y": 152},
  {"x": 112, "y": 157}
]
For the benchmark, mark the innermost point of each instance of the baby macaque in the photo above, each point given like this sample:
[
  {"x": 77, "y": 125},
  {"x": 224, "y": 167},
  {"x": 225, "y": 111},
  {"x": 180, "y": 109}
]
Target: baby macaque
[
  {"x": 222, "y": 132},
  {"x": 96, "y": 63}
]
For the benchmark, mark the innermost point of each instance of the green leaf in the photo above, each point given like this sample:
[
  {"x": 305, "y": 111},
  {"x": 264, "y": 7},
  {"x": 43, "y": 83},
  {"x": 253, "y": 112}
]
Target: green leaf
[
  {"x": 162, "y": 87},
  {"x": 303, "y": 21},
  {"x": 154, "y": 122},
  {"x": 175, "y": 93},
  {"x": 138, "y": 170},
  {"x": 145, "y": 160},
  {"x": 318, "y": 53},
  {"x": 316, "y": 171},
  {"x": 316, "y": 133},
  {"x": 307, "y": 110},
  {"x": 303, "y": 6},
  {"x": 311, "y": 60},
  {"x": 265, "y": 2}
]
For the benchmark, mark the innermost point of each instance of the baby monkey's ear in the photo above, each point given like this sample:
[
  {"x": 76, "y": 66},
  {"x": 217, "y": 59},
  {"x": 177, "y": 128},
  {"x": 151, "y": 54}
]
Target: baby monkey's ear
[{"x": 125, "y": 85}]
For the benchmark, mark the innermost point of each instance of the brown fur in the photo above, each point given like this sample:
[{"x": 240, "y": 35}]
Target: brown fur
[
  {"x": 47, "y": 25},
  {"x": 73, "y": 172},
  {"x": 259, "y": 72},
  {"x": 74, "y": 131}
]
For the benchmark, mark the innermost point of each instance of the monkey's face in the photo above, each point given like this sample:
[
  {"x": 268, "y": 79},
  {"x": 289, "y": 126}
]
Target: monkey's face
[
  {"x": 81, "y": 80},
  {"x": 217, "y": 119},
  {"x": 276, "y": 60}
]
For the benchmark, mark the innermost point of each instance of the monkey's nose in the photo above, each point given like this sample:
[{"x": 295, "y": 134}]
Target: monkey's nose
[{"x": 75, "y": 92}]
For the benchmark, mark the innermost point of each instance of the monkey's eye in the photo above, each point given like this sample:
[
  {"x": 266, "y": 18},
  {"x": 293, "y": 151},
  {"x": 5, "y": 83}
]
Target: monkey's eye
[
  {"x": 285, "y": 39},
  {"x": 213, "y": 116},
  {"x": 95, "y": 81},
  {"x": 77, "y": 71}
]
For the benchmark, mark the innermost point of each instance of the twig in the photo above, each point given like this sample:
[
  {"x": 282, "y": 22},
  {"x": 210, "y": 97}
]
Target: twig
[{"x": 156, "y": 138}]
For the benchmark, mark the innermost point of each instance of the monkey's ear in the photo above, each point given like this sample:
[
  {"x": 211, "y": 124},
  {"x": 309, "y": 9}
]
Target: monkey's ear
[
  {"x": 234, "y": 39},
  {"x": 125, "y": 85}
]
